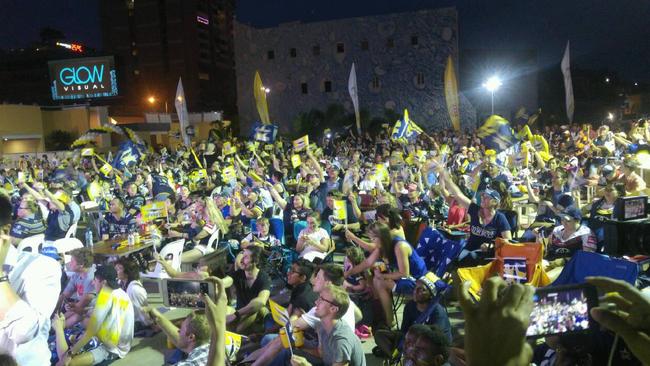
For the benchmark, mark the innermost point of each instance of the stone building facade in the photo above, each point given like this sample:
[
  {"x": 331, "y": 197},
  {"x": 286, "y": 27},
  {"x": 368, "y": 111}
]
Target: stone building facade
[{"x": 399, "y": 59}]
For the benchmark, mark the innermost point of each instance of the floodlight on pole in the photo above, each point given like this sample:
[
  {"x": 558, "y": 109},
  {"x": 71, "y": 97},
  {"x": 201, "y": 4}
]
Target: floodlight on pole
[{"x": 492, "y": 84}]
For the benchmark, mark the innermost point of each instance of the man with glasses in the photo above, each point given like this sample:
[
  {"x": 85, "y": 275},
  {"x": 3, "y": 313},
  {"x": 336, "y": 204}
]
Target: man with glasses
[
  {"x": 26, "y": 224},
  {"x": 303, "y": 296},
  {"x": 337, "y": 343}
]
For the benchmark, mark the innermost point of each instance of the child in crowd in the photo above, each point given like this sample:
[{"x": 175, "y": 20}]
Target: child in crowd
[{"x": 357, "y": 286}]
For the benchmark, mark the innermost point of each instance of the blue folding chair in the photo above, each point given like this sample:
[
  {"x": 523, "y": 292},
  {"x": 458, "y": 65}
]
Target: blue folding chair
[
  {"x": 438, "y": 251},
  {"x": 585, "y": 264}
]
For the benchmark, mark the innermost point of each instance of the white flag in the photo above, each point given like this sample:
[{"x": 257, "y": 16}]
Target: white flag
[
  {"x": 181, "y": 110},
  {"x": 568, "y": 86},
  {"x": 352, "y": 88}
]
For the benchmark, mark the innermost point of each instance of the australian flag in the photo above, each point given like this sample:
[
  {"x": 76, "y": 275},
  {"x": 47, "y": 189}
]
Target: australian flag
[
  {"x": 496, "y": 134},
  {"x": 264, "y": 132},
  {"x": 128, "y": 154}
]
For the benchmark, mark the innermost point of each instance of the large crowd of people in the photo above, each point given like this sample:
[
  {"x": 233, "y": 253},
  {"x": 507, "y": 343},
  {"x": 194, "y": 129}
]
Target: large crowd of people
[{"x": 329, "y": 230}]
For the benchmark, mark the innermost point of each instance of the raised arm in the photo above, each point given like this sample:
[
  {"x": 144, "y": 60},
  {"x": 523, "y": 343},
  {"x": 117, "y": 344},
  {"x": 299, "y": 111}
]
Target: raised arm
[{"x": 462, "y": 200}]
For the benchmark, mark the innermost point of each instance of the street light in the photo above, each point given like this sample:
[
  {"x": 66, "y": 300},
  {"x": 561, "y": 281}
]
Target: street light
[
  {"x": 151, "y": 99},
  {"x": 610, "y": 116},
  {"x": 492, "y": 84}
]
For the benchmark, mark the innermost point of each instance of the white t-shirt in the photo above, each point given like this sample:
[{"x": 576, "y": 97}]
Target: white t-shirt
[
  {"x": 312, "y": 320},
  {"x": 114, "y": 314},
  {"x": 138, "y": 296},
  {"x": 310, "y": 253},
  {"x": 26, "y": 326}
]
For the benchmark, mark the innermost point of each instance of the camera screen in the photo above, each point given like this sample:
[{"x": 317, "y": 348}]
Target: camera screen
[
  {"x": 559, "y": 312},
  {"x": 185, "y": 294},
  {"x": 634, "y": 208}
]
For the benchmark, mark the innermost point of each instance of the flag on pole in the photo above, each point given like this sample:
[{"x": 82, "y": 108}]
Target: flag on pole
[
  {"x": 340, "y": 210},
  {"x": 279, "y": 313},
  {"x": 181, "y": 110},
  {"x": 496, "y": 133},
  {"x": 264, "y": 132},
  {"x": 568, "y": 86},
  {"x": 352, "y": 88},
  {"x": 405, "y": 129},
  {"x": 301, "y": 143},
  {"x": 259, "y": 91},
  {"x": 451, "y": 94}
]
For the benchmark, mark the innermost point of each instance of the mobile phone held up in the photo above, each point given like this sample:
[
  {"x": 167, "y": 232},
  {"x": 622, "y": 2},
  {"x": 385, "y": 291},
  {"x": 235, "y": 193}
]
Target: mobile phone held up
[
  {"x": 186, "y": 293},
  {"x": 562, "y": 310}
]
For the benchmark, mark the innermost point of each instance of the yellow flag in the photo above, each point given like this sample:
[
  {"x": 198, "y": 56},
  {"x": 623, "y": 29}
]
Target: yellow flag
[
  {"x": 259, "y": 91},
  {"x": 88, "y": 152},
  {"x": 340, "y": 210},
  {"x": 228, "y": 173},
  {"x": 233, "y": 343},
  {"x": 451, "y": 94},
  {"x": 229, "y": 148},
  {"x": 279, "y": 313},
  {"x": 301, "y": 143},
  {"x": 254, "y": 176},
  {"x": 295, "y": 160},
  {"x": 153, "y": 211},
  {"x": 106, "y": 169}
]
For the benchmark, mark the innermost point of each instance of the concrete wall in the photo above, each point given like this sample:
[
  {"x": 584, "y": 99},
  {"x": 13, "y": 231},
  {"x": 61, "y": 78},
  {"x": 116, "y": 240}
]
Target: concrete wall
[
  {"x": 21, "y": 120},
  {"x": 74, "y": 120}
]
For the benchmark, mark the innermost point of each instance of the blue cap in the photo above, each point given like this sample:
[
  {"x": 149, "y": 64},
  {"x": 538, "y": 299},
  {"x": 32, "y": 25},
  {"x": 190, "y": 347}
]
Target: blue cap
[
  {"x": 51, "y": 252},
  {"x": 571, "y": 213},
  {"x": 492, "y": 193}
]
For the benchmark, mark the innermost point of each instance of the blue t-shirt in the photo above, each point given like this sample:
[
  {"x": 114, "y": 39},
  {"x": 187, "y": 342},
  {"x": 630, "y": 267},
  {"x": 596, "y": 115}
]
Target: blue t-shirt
[{"x": 478, "y": 233}]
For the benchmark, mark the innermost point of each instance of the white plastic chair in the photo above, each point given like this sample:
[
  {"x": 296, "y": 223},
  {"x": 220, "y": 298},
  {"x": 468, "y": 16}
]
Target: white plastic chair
[
  {"x": 72, "y": 231},
  {"x": 212, "y": 242},
  {"x": 173, "y": 249},
  {"x": 31, "y": 244},
  {"x": 66, "y": 245}
]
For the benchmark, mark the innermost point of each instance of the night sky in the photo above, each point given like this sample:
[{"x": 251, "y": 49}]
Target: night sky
[{"x": 604, "y": 34}]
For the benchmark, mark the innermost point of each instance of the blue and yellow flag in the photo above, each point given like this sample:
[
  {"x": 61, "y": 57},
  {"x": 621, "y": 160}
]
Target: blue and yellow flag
[
  {"x": 405, "y": 130},
  {"x": 496, "y": 133},
  {"x": 129, "y": 154}
]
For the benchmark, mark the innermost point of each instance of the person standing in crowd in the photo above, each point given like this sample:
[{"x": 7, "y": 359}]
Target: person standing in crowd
[
  {"x": 29, "y": 286},
  {"x": 62, "y": 213}
]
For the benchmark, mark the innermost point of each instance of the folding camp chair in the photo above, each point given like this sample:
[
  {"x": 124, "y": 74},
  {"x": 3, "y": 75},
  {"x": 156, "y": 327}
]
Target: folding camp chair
[
  {"x": 533, "y": 253},
  {"x": 585, "y": 264}
]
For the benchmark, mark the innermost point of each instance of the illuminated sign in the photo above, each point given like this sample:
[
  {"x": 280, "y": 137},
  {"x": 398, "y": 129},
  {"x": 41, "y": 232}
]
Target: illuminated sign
[
  {"x": 202, "y": 20},
  {"x": 71, "y": 46},
  {"x": 83, "y": 78}
]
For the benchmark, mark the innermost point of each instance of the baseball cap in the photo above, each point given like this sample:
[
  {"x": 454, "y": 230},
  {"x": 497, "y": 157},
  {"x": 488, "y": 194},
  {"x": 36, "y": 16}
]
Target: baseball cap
[
  {"x": 571, "y": 213},
  {"x": 565, "y": 200},
  {"x": 429, "y": 279},
  {"x": 492, "y": 193}
]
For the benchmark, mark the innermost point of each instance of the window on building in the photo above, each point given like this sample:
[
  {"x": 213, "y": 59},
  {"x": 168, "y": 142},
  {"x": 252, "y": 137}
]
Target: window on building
[
  {"x": 328, "y": 86},
  {"x": 316, "y": 50},
  {"x": 364, "y": 45},
  {"x": 340, "y": 48},
  {"x": 414, "y": 40},
  {"x": 419, "y": 79},
  {"x": 304, "y": 88},
  {"x": 270, "y": 55},
  {"x": 375, "y": 83},
  {"x": 390, "y": 43},
  {"x": 293, "y": 52}
]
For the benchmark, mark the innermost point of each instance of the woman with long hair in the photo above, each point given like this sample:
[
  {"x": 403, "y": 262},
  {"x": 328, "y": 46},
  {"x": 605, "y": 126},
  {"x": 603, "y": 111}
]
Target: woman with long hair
[
  {"x": 213, "y": 221},
  {"x": 396, "y": 267}
]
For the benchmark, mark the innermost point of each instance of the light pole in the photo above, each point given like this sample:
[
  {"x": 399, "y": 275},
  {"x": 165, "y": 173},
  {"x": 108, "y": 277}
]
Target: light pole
[{"x": 492, "y": 84}]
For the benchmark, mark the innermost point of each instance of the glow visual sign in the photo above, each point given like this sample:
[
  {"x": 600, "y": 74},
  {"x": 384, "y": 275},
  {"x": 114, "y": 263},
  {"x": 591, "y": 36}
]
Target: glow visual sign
[{"x": 83, "y": 78}]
